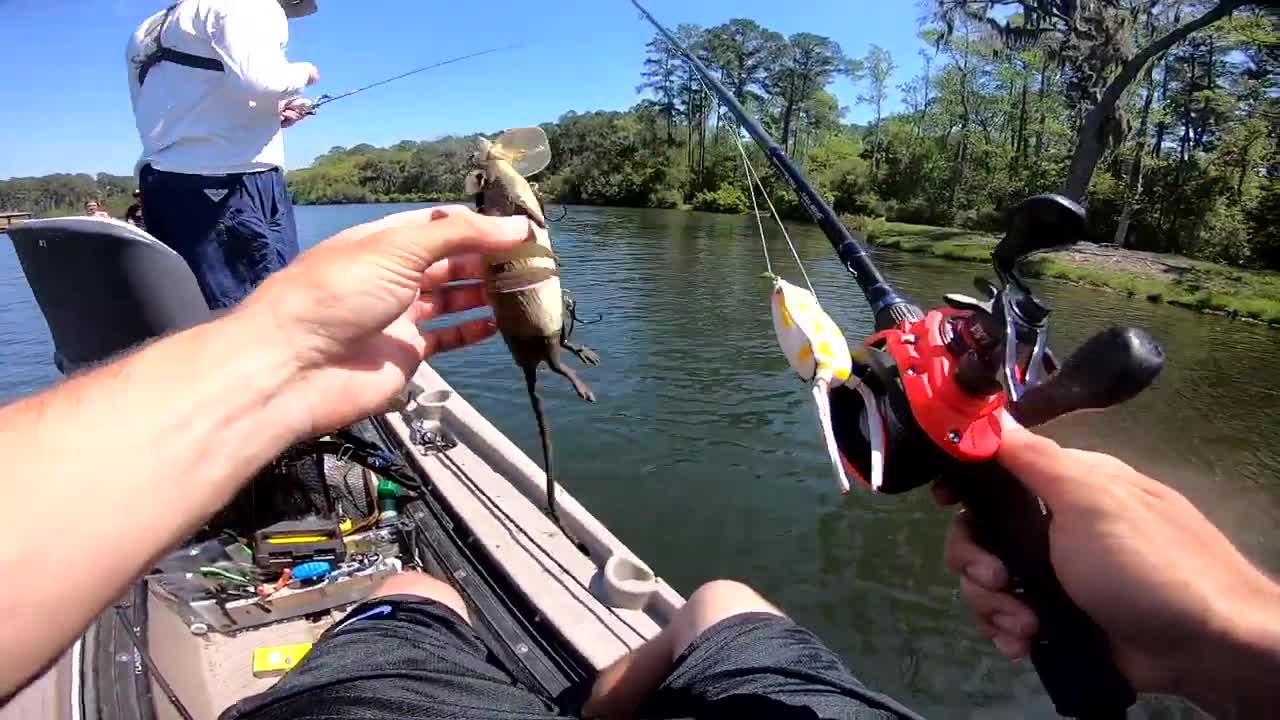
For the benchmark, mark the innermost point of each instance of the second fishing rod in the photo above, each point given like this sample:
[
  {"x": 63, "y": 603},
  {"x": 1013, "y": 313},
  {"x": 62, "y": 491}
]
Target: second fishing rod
[{"x": 326, "y": 99}]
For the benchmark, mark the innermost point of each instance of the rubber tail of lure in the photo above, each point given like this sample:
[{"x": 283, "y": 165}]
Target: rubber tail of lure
[
  {"x": 875, "y": 434},
  {"x": 821, "y": 391},
  {"x": 816, "y": 349}
]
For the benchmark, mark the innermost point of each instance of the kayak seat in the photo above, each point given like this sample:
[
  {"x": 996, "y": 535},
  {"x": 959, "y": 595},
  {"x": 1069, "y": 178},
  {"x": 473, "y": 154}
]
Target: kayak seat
[{"x": 104, "y": 286}]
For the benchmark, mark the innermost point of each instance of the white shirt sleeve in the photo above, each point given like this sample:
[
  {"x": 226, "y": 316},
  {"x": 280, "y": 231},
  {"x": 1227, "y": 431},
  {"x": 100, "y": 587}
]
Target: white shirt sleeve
[{"x": 249, "y": 38}]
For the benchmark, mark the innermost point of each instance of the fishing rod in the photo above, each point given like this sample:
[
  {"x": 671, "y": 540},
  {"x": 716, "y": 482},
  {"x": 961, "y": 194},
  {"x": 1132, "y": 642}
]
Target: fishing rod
[
  {"x": 326, "y": 99},
  {"x": 937, "y": 387}
]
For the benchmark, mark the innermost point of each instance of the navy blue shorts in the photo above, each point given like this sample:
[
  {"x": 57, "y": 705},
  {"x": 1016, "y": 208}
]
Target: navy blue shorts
[
  {"x": 233, "y": 230},
  {"x": 405, "y": 657}
]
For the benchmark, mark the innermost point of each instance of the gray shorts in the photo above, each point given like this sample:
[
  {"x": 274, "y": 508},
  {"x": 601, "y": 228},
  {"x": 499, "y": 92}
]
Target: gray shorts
[{"x": 407, "y": 657}]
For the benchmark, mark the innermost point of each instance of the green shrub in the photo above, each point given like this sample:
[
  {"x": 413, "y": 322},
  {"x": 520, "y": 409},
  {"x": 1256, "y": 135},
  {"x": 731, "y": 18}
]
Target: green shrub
[
  {"x": 869, "y": 228},
  {"x": 558, "y": 188},
  {"x": 884, "y": 208},
  {"x": 726, "y": 199},
  {"x": 788, "y": 205},
  {"x": 921, "y": 212},
  {"x": 988, "y": 219},
  {"x": 1264, "y": 225},
  {"x": 1105, "y": 200},
  {"x": 1224, "y": 236},
  {"x": 668, "y": 198}
]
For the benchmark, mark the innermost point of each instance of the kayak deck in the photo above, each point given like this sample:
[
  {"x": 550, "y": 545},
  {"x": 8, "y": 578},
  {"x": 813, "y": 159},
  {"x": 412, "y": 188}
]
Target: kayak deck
[
  {"x": 500, "y": 492},
  {"x": 210, "y": 672}
]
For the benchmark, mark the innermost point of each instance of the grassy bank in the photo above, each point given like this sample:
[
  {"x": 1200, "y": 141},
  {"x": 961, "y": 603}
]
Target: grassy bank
[{"x": 1171, "y": 279}]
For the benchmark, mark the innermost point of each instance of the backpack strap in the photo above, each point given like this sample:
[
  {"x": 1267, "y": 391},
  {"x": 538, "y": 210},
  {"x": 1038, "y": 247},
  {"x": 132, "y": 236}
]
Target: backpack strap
[{"x": 164, "y": 54}]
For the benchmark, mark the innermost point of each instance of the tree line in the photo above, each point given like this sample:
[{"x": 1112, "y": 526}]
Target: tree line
[
  {"x": 66, "y": 193},
  {"x": 1162, "y": 115}
]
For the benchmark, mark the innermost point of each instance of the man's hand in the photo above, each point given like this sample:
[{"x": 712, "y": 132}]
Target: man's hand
[
  {"x": 165, "y": 435},
  {"x": 347, "y": 311},
  {"x": 313, "y": 73},
  {"x": 293, "y": 110},
  {"x": 1180, "y": 605}
]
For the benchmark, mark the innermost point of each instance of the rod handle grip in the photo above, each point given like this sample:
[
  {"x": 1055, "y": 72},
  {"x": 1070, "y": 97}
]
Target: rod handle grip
[{"x": 1070, "y": 652}]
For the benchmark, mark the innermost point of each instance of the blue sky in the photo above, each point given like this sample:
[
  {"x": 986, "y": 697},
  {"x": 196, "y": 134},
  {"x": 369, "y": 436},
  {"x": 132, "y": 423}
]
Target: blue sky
[{"x": 66, "y": 103}]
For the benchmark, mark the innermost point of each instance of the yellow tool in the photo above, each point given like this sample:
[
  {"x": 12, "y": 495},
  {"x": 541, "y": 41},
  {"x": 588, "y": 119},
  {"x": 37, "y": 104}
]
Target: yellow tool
[
  {"x": 293, "y": 542},
  {"x": 278, "y": 659}
]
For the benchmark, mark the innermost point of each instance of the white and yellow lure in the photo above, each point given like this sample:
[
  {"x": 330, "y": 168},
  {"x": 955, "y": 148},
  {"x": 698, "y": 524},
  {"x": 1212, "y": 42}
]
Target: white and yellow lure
[{"x": 816, "y": 349}]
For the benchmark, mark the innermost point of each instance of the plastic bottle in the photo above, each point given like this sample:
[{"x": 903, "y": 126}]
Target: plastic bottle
[{"x": 388, "y": 503}]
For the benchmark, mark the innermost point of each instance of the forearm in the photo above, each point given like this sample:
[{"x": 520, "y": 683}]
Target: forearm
[
  {"x": 109, "y": 470},
  {"x": 262, "y": 74},
  {"x": 278, "y": 80},
  {"x": 1235, "y": 676}
]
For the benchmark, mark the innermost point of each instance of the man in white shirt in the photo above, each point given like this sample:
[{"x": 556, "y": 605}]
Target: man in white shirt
[{"x": 211, "y": 91}]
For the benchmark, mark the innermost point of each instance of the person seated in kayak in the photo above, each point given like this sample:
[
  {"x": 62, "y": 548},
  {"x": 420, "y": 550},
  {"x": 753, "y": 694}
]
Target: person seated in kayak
[
  {"x": 211, "y": 90},
  {"x": 130, "y": 457},
  {"x": 133, "y": 214}
]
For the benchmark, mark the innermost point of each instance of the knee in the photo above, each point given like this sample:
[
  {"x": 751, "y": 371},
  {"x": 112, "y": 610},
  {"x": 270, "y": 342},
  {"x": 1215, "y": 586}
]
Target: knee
[
  {"x": 726, "y": 598},
  {"x": 713, "y": 602},
  {"x": 424, "y": 586}
]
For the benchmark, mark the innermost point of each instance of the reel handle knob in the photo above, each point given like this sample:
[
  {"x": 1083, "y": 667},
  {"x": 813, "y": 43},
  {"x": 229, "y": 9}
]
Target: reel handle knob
[
  {"x": 1039, "y": 223},
  {"x": 1110, "y": 368},
  {"x": 1071, "y": 652}
]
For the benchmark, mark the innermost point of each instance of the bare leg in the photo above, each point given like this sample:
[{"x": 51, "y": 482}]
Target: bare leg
[
  {"x": 558, "y": 367},
  {"x": 709, "y": 604},
  {"x": 424, "y": 586},
  {"x": 622, "y": 686}
]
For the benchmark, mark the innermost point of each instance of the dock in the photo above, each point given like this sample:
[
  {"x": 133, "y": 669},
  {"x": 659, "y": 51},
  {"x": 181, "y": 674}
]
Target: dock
[{"x": 11, "y": 218}]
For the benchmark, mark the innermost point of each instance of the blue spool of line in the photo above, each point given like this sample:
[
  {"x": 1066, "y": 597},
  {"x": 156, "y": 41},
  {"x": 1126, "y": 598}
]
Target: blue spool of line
[{"x": 311, "y": 570}]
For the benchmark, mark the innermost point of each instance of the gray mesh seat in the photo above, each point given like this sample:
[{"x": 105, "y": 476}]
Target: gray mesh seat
[{"x": 104, "y": 286}]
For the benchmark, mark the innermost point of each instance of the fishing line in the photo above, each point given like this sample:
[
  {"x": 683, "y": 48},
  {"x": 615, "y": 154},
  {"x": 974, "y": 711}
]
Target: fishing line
[
  {"x": 753, "y": 180},
  {"x": 774, "y": 212},
  {"x": 326, "y": 99},
  {"x": 764, "y": 246},
  {"x": 564, "y": 209},
  {"x": 746, "y": 164},
  {"x": 889, "y": 308}
]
